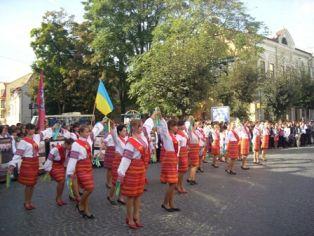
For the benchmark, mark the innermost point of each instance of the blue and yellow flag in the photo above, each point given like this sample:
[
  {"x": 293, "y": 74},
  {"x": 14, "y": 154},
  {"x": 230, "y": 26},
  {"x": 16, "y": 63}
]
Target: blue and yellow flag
[{"x": 103, "y": 102}]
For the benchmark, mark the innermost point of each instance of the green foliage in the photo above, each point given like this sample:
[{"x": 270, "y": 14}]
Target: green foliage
[
  {"x": 62, "y": 52},
  {"x": 179, "y": 72},
  {"x": 237, "y": 88},
  {"x": 122, "y": 29}
]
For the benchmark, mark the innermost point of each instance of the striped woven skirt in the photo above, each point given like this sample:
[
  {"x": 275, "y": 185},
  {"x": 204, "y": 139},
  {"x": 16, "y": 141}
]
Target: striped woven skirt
[
  {"x": 57, "y": 172},
  {"x": 233, "y": 149},
  {"x": 84, "y": 173},
  {"x": 115, "y": 165},
  {"x": 109, "y": 156},
  {"x": 134, "y": 180},
  {"x": 215, "y": 148},
  {"x": 265, "y": 142},
  {"x": 257, "y": 144},
  {"x": 169, "y": 168},
  {"x": 183, "y": 160},
  {"x": 29, "y": 171},
  {"x": 194, "y": 155},
  {"x": 245, "y": 146}
]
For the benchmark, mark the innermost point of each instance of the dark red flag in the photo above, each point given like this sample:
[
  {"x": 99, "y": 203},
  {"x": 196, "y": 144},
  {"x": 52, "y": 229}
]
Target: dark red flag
[{"x": 41, "y": 103}]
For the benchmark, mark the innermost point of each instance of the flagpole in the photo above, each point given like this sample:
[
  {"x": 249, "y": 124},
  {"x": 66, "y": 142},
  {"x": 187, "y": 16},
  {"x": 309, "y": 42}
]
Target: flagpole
[{"x": 93, "y": 117}]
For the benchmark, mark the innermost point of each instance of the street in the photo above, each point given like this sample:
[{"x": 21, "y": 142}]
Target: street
[{"x": 274, "y": 199}]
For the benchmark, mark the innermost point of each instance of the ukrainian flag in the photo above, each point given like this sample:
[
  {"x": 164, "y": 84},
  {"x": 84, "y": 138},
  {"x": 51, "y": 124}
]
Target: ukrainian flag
[{"x": 103, "y": 102}]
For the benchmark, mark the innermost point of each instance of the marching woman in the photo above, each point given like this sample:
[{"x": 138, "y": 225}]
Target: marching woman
[
  {"x": 74, "y": 131},
  {"x": 245, "y": 137},
  {"x": 169, "y": 164},
  {"x": 80, "y": 163},
  {"x": 55, "y": 166},
  {"x": 232, "y": 141},
  {"x": 265, "y": 139},
  {"x": 109, "y": 156},
  {"x": 27, "y": 150},
  {"x": 215, "y": 147},
  {"x": 131, "y": 173},
  {"x": 202, "y": 142},
  {"x": 194, "y": 149},
  {"x": 120, "y": 138},
  {"x": 182, "y": 138},
  {"x": 256, "y": 142}
]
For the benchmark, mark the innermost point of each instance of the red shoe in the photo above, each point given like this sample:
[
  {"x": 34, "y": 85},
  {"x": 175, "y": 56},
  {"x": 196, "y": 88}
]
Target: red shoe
[
  {"x": 60, "y": 203},
  {"x": 28, "y": 207},
  {"x": 184, "y": 191},
  {"x": 77, "y": 199},
  {"x": 132, "y": 226},
  {"x": 32, "y": 206},
  {"x": 138, "y": 225}
]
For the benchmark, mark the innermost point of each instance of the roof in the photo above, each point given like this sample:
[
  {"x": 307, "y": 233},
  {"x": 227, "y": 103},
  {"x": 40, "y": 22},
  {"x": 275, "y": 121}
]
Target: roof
[{"x": 21, "y": 81}]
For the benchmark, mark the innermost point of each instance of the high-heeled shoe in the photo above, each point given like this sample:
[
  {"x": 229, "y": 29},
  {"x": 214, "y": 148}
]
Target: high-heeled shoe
[
  {"x": 32, "y": 206},
  {"x": 28, "y": 206},
  {"x": 167, "y": 209},
  {"x": 81, "y": 212},
  {"x": 112, "y": 202},
  {"x": 91, "y": 216},
  {"x": 131, "y": 226},
  {"x": 138, "y": 225}
]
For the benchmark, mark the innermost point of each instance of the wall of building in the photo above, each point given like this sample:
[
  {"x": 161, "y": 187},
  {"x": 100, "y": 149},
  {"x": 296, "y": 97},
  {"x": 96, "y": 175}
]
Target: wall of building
[{"x": 279, "y": 58}]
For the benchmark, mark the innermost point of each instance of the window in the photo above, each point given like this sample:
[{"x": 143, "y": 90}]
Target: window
[
  {"x": 262, "y": 67},
  {"x": 284, "y": 41},
  {"x": 271, "y": 70},
  {"x": 2, "y": 104},
  {"x": 2, "y": 114}
]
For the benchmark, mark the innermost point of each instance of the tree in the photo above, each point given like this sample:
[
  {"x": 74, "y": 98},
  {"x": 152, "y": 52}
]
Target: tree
[
  {"x": 178, "y": 73},
  {"x": 122, "y": 30},
  {"x": 62, "y": 52},
  {"x": 279, "y": 95},
  {"x": 237, "y": 88},
  {"x": 53, "y": 48}
]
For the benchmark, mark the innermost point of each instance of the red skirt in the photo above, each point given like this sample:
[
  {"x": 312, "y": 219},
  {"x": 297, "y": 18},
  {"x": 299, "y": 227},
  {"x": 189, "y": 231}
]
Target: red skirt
[
  {"x": 233, "y": 149},
  {"x": 109, "y": 156},
  {"x": 134, "y": 180},
  {"x": 115, "y": 165},
  {"x": 215, "y": 148},
  {"x": 183, "y": 160},
  {"x": 169, "y": 168},
  {"x": 245, "y": 147},
  {"x": 194, "y": 155},
  {"x": 265, "y": 142},
  {"x": 29, "y": 171},
  {"x": 84, "y": 173},
  {"x": 257, "y": 143},
  {"x": 57, "y": 172}
]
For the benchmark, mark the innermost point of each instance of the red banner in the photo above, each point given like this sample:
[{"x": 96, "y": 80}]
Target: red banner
[{"x": 41, "y": 103}]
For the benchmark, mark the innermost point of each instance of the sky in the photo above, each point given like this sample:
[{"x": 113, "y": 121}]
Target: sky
[{"x": 18, "y": 17}]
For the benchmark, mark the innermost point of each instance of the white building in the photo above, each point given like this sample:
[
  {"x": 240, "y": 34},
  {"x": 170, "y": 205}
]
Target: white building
[
  {"x": 17, "y": 100},
  {"x": 280, "y": 55}
]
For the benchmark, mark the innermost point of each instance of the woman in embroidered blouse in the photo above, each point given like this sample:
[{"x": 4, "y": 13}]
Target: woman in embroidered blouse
[
  {"x": 232, "y": 140},
  {"x": 256, "y": 142},
  {"x": 194, "y": 149},
  {"x": 169, "y": 164},
  {"x": 265, "y": 139},
  {"x": 132, "y": 172},
  {"x": 183, "y": 167},
  {"x": 80, "y": 163},
  {"x": 119, "y": 135},
  {"x": 55, "y": 166},
  {"x": 215, "y": 151},
  {"x": 27, "y": 150}
]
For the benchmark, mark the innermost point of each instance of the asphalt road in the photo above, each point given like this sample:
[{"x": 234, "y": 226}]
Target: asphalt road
[{"x": 274, "y": 199}]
